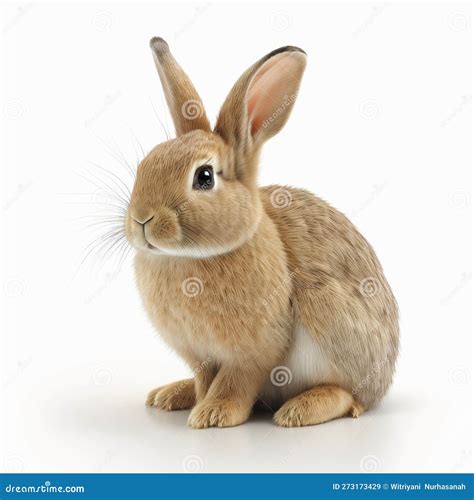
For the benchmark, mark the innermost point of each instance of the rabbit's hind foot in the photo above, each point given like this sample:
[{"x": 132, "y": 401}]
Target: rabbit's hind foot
[{"x": 317, "y": 405}]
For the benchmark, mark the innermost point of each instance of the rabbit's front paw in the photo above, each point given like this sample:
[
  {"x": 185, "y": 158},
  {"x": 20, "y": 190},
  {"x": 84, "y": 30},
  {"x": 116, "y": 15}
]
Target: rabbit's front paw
[
  {"x": 217, "y": 413},
  {"x": 176, "y": 396}
]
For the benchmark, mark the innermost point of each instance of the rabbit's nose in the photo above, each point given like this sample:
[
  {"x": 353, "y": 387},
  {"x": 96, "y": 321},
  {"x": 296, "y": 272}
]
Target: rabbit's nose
[{"x": 142, "y": 220}]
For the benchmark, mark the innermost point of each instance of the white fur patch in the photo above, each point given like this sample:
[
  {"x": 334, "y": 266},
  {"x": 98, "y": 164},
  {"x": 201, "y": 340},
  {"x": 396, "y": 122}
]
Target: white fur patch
[
  {"x": 201, "y": 252},
  {"x": 205, "y": 252},
  {"x": 306, "y": 366}
]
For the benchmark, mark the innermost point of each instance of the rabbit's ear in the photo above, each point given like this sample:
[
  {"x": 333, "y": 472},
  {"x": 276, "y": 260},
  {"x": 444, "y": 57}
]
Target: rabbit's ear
[
  {"x": 261, "y": 101},
  {"x": 183, "y": 100}
]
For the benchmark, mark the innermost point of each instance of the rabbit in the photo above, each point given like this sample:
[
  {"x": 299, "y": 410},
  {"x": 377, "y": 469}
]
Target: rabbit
[{"x": 269, "y": 294}]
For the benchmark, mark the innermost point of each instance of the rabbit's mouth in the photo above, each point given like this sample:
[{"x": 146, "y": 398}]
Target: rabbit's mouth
[{"x": 154, "y": 249}]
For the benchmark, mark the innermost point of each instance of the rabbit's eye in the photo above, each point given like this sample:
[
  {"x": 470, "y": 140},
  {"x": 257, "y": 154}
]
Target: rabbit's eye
[{"x": 203, "y": 178}]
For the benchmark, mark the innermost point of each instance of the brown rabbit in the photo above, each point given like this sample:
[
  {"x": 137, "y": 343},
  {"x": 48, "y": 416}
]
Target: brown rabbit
[{"x": 269, "y": 294}]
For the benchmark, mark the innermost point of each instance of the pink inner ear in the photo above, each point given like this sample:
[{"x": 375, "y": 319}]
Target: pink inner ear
[{"x": 268, "y": 89}]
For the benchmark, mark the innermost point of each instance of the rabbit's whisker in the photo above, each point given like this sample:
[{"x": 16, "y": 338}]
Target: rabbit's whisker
[
  {"x": 104, "y": 187},
  {"x": 116, "y": 180},
  {"x": 120, "y": 158}
]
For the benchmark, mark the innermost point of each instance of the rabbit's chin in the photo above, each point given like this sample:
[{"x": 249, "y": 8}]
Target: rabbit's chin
[{"x": 189, "y": 252}]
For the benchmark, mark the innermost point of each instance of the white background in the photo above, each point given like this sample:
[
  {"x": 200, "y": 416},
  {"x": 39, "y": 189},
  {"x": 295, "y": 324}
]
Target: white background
[{"x": 382, "y": 130}]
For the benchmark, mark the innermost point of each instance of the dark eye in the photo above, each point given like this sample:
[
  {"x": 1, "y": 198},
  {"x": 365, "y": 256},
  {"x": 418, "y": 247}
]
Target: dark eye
[{"x": 203, "y": 178}]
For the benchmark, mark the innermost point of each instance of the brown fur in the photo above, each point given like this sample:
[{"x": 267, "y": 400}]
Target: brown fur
[
  {"x": 179, "y": 395},
  {"x": 229, "y": 276},
  {"x": 316, "y": 406}
]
